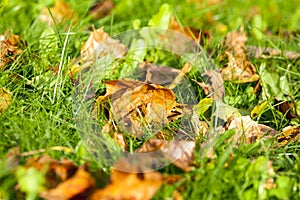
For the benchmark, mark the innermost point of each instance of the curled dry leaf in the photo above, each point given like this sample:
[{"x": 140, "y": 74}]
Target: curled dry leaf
[
  {"x": 248, "y": 130},
  {"x": 79, "y": 184},
  {"x": 11, "y": 46},
  {"x": 61, "y": 11},
  {"x": 238, "y": 68},
  {"x": 5, "y": 99},
  {"x": 101, "y": 9},
  {"x": 125, "y": 185}
]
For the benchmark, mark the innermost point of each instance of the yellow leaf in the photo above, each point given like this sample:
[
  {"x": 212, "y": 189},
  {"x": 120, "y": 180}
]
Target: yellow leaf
[
  {"x": 258, "y": 109},
  {"x": 5, "y": 99}
]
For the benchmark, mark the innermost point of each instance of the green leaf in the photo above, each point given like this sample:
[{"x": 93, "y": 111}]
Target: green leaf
[
  {"x": 274, "y": 85},
  {"x": 162, "y": 18},
  {"x": 31, "y": 181},
  {"x": 283, "y": 189}
]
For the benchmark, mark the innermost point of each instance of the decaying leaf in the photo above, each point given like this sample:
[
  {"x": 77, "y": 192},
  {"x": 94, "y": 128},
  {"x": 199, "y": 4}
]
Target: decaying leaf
[
  {"x": 61, "y": 12},
  {"x": 213, "y": 85},
  {"x": 286, "y": 108},
  {"x": 79, "y": 184},
  {"x": 238, "y": 68},
  {"x": 99, "y": 44},
  {"x": 102, "y": 9},
  {"x": 289, "y": 134},
  {"x": 180, "y": 153},
  {"x": 248, "y": 130},
  {"x": 5, "y": 99},
  {"x": 136, "y": 105},
  {"x": 11, "y": 46},
  {"x": 266, "y": 52},
  {"x": 55, "y": 171},
  {"x": 125, "y": 185},
  {"x": 161, "y": 75}
]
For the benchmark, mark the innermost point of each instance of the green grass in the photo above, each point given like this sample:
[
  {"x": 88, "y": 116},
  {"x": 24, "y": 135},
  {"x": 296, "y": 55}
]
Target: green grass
[{"x": 41, "y": 115}]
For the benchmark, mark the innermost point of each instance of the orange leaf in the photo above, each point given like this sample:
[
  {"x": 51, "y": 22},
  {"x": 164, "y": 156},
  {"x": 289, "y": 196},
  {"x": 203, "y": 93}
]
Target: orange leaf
[
  {"x": 125, "y": 185},
  {"x": 81, "y": 182}
]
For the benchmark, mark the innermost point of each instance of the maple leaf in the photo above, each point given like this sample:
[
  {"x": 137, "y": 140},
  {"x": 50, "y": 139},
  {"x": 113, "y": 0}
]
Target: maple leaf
[
  {"x": 238, "y": 68},
  {"x": 125, "y": 185},
  {"x": 5, "y": 99},
  {"x": 60, "y": 12}
]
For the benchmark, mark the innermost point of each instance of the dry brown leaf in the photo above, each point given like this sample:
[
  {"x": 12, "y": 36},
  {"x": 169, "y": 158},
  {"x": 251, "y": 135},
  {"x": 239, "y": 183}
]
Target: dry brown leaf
[
  {"x": 125, "y": 185},
  {"x": 102, "y": 9},
  {"x": 5, "y": 99},
  {"x": 289, "y": 134},
  {"x": 202, "y": 37},
  {"x": 248, "y": 130},
  {"x": 11, "y": 46},
  {"x": 161, "y": 75},
  {"x": 214, "y": 85},
  {"x": 135, "y": 105},
  {"x": 238, "y": 67},
  {"x": 266, "y": 52},
  {"x": 99, "y": 44},
  {"x": 286, "y": 108},
  {"x": 180, "y": 153},
  {"x": 61, "y": 12},
  {"x": 79, "y": 184}
]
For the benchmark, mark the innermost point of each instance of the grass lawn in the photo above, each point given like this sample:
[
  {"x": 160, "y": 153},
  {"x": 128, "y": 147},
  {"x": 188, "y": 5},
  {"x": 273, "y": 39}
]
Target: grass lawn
[{"x": 41, "y": 94}]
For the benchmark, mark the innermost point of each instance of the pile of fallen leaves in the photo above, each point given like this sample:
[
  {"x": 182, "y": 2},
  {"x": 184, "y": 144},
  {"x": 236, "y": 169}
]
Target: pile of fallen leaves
[{"x": 132, "y": 108}]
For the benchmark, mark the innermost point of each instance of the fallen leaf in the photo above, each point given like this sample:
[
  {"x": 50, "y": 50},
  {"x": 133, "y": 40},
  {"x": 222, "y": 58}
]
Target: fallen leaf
[
  {"x": 60, "y": 12},
  {"x": 99, "y": 44},
  {"x": 101, "y": 9},
  {"x": 125, "y": 185},
  {"x": 161, "y": 75},
  {"x": 5, "y": 99},
  {"x": 11, "y": 46},
  {"x": 248, "y": 130},
  {"x": 238, "y": 68},
  {"x": 82, "y": 182},
  {"x": 266, "y": 52},
  {"x": 136, "y": 105},
  {"x": 286, "y": 108},
  {"x": 12, "y": 157},
  {"x": 180, "y": 153},
  {"x": 213, "y": 86},
  {"x": 289, "y": 134},
  {"x": 55, "y": 171}
]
